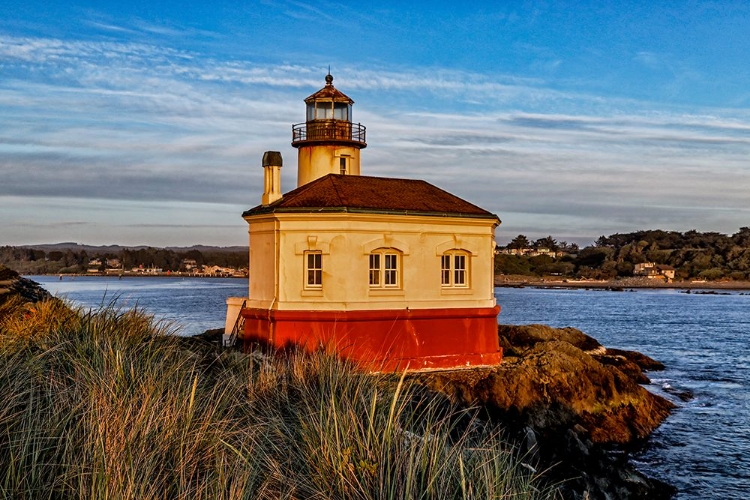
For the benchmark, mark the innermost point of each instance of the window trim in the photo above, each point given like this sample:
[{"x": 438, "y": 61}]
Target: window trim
[
  {"x": 385, "y": 265},
  {"x": 316, "y": 269},
  {"x": 450, "y": 269}
]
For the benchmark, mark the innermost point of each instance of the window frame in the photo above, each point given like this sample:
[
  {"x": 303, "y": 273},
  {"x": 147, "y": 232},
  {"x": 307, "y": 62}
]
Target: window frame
[
  {"x": 313, "y": 269},
  {"x": 454, "y": 264},
  {"x": 341, "y": 111},
  {"x": 385, "y": 269}
]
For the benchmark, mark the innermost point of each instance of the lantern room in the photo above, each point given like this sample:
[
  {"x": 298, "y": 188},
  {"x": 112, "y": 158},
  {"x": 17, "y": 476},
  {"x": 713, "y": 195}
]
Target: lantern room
[
  {"x": 327, "y": 142},
  {"x": 332, "y": 105}
]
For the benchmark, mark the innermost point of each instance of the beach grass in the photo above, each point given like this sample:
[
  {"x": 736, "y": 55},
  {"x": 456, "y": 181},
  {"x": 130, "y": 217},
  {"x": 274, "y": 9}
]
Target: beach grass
[{"x": 110, "y": 404}]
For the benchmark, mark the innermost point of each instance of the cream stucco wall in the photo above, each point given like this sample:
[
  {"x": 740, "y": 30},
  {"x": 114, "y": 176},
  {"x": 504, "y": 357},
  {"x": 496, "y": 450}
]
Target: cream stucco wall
[
  {"x": 317, "y": 161},
  {"x": 263, "y": 259},
  {"x": 278, "y": 243}
]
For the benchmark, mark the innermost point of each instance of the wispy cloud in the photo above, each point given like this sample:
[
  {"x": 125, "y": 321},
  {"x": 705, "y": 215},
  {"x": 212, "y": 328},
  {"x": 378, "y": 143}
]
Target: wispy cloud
[
  {"x": 105, "y": 26},
  {"x": 142, "y": 123}
]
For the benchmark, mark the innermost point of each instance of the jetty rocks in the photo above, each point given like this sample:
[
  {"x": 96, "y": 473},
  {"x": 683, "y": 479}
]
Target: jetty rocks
[
  {"x": 15, "y": 287},
  {"x": 576, "y": 407}
]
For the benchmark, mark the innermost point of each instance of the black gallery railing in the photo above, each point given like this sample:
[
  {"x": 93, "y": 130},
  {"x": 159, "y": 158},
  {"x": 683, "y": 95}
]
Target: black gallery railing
[{"x": 326, "y": 130}]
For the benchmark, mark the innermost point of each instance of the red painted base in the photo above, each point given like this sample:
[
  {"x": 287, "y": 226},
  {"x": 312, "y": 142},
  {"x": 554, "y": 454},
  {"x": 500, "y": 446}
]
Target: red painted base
[{"x": 391, "y": 340}]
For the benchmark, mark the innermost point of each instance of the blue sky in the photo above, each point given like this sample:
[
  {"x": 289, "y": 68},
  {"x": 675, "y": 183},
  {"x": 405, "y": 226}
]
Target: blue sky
[{"x": 145, "y": 122}]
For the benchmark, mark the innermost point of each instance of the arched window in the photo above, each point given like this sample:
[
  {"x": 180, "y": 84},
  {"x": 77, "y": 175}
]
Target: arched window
[
  {"x": 454, "y": 269},
  {"x": 385, "y": 268}
]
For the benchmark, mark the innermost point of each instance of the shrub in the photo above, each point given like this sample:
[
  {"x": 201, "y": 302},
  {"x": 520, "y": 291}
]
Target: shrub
[
  {"x": 513, "y": 264},
  {"x": 712, "y": 274}
]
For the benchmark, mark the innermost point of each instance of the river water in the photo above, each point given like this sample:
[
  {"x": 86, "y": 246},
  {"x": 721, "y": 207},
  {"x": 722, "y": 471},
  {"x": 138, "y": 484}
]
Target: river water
[{"x": 703, "y": 448}]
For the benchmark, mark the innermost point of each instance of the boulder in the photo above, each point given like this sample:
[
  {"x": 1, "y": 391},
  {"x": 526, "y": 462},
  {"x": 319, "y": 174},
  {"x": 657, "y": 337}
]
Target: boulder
[
  {"x": 568, "y": 401},
  {"x": 518, "y": 338}
]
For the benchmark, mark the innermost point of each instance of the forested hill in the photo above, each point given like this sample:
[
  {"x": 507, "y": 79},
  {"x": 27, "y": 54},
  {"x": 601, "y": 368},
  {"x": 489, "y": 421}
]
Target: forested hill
[
  {"x": 73, "y": 258},
  {"x": 692, "y": 254}
]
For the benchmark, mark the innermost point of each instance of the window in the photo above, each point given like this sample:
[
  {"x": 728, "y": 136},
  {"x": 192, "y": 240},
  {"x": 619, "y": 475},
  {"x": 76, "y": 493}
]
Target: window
[
  {"x": 384, "y": 268},
  {"x": 323, "y": 110},
  {"x": 340, "y": 111},
  {"x": 342, "y": 165},
  {"x": 313, "y": 270},
  {"x": 445, "y": 270},
  {"x": 375, "y": 269},
  {"x": 453, "y": 270}
]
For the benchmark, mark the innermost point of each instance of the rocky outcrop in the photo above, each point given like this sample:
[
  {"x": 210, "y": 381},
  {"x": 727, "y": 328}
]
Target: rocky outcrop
[
  {"x": 575, "y": 406},
  {"x": 15, "y": 287}
]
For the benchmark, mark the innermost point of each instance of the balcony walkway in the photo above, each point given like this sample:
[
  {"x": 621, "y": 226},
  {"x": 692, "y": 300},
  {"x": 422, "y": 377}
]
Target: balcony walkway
[{"x": 328, "y": 130}]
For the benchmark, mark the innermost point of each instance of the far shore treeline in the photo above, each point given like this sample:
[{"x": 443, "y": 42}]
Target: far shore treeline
[
  {"x": 79, "y": 259},
  {"x": 692, "y": 255}
]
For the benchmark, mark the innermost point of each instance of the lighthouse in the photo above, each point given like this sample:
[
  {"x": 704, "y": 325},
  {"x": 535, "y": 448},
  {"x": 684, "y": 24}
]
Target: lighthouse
[
  {"x": 393, "y": 274},
  {"x": 327, "y": 142}
]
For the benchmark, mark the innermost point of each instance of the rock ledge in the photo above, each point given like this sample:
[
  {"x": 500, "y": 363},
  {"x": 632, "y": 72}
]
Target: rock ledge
[{"x": 576, "y": 407}]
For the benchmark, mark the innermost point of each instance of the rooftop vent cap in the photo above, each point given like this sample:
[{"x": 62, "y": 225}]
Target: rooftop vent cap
[{"x": 272, "y": 159}]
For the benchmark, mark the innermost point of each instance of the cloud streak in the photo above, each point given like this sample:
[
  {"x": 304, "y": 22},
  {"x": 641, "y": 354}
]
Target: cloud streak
[{"x": 143, "y": 123}]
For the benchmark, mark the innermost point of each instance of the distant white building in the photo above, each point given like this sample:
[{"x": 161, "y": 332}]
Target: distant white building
[
  {"x": 189, "y": 264},
  {"x": 94, "y": 266},
  {"x": 531, "y": 252},
  {"x": 218, "y": 271},
  {"x": 114, "y": 264},
  {"x": 652, "y": 270}
]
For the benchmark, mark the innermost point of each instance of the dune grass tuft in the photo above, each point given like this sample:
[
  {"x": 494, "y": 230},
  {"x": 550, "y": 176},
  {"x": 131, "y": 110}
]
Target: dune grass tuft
[{"x": 109, "y": 404}]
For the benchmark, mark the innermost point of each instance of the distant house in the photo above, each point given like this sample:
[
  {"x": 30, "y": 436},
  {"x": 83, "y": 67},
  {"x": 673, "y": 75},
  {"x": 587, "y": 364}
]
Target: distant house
[
  {"x": 531, "y": 252},
  {"x": 141, "y": 269},
  {"x": 189, "y": 265},
  {"x": 218, "y": 271},
  {"x": 652, "y": 270},
  {"x": 94, "y": 266},
  {"x": 113, "y": 266},
  {"x": 545, "y": 251},
  {"x": 515, "y": 251}
]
